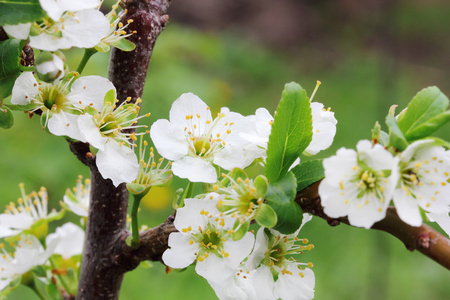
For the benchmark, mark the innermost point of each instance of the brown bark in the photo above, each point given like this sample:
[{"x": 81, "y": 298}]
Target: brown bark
[{"x": 103, "y": 263}]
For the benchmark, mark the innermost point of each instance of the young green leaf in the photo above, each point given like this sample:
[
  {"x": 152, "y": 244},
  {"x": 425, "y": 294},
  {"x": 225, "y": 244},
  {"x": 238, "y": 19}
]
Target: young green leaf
[
  {"x": 396, "y": 138},
  {"x": 308, "y": 172},
  {"x": 423, "y": 108},
  {"x": 13, "y": 12},
  {"x": 291, "y": 131},
  {"x": 428, "y": 127},
  {"x": 281, "y": 197},
  {"x": 6, "y": 118},
  {"x": 6, "y": 86}
]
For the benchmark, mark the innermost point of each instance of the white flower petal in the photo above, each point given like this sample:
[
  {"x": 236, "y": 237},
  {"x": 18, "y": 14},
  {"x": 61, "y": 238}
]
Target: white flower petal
[
  {"x": 295, "y": 287},
  {"x": 238, "y": 250},
  {"x": 118, "y": 163},
  {"x": 189, "y": 215},
  {"x": 19, "y": 31},
  {"x": 65, "y": 124},
  {"x": 169, "y": 140},
  {"x": 69, "y": 240},
  {"x": 86, "y": 28},
  {"x": 49, "y": 42},
  {"x": 90, "y": 91},
  {"x": 25, "y": 88},
  {"x": 186, "y": 105},
  {"x": 90, "y": 132},
  {"x": 214, "y": 269},
  {"x": 195, "y": 169},
  {"x": 259, "y": 251},
  {"x": 442, "y": 219},
  {"x": 407, "y": 208},
  {"x": 180, "y": 253}
]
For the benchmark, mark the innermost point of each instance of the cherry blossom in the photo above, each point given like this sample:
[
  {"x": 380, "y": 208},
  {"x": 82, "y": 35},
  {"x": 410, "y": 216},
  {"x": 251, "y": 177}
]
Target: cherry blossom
[{"x": 359, "y": 184}]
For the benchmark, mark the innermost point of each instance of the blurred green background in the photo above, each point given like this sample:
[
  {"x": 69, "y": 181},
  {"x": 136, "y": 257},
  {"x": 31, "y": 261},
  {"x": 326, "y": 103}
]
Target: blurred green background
[{"x": 367, "y": 54}]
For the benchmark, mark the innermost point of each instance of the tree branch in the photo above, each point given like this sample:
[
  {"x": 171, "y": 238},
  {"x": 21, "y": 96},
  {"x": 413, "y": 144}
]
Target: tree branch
[
  {"x": 102, "y": 268},
  {"x": 423, "y": 238}
]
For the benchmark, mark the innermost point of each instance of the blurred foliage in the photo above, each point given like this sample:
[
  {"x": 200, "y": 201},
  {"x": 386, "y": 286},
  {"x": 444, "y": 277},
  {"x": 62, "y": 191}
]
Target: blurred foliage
[{"x": 225, "y": 70}]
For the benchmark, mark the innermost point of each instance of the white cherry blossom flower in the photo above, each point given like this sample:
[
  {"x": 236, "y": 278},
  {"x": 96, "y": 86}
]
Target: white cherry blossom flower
[
  {"x": 110, "y": 131},
  {"x": 256, "y": 284},
  {"x": 30, "y": 210},
  {"x": 272, "y": 255},
  {"x": 67, "y": 240},
  {"x": 78, "y": 199},
  {"x": 50, "y": 67},
  {"x": 195, "y": 142},
  {"x": 424, "y": 182},
  {"x": 56, "y": 8},
  {"x": 324, "y": 128},
  {"x": 257, "y": 135},
  {"x": 83, "y": 29},
  {"x": 61, "y": 103},
  {"x": 204, "y": 237},
  {"x": 359, "y": 184},
  {"x": 28, "y": 253}
]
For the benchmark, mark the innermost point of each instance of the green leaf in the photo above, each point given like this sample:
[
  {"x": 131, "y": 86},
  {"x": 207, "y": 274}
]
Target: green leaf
[
  {"x": 281, "y": 197},
  {"x": 10, "y": 55},
  {"x": 6, "y": 86},
  {"x": 428, "y": 127},
  {"x": 396, "y": 138},
  {"x": 291, "y": 131},
  {"x": 124, "y": 45},
  {"x": 6, "y": 117},
  {"x": 53, "y": 292},
  {"x": 308, "y": 172},
  {"x": 427, "y": 104},
  {"x": 20, "y": 11}
]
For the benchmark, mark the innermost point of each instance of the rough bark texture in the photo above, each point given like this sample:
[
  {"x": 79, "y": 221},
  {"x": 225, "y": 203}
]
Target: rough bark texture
[
  {"x": 106, "y": 257},
  {"x": 128, "y": 70}
]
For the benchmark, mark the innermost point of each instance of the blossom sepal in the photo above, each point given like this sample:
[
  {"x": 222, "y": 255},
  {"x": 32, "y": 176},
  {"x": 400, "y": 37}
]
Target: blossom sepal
[{"x": 136, "y": 188}]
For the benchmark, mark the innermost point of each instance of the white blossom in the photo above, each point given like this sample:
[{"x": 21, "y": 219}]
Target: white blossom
[
  {"x": 29, "y": 210},
  {"x": 195, "y": 142},
  {"x": 424, "y": 182},
  {"x": 62, "y": 102},
  {"x": 78, "y": 199},
  {"x": 67, "y": 240},
  {"x": 359, "y": 184},
  {"x": 83, "y": 29},
  {"x": 204, "y": 237},
  {"x": 28, "y": 253}
]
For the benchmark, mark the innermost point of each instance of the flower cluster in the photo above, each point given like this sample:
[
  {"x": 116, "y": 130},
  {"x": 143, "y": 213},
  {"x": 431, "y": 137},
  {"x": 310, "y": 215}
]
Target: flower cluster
[
  {"x": 24, "y": 227},
  {"x": 238, "y": 268},
  {"x": 85, "y": 109},
  {"x": 198, "y": 144},
  {"x": 361, "y": 184},
  {"x": 68, "y": 24}
]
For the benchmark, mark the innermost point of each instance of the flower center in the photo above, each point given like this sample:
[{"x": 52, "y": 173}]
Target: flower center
[
  {"x": 201, "y": 146},
  {"x": 53, "y": 98}
]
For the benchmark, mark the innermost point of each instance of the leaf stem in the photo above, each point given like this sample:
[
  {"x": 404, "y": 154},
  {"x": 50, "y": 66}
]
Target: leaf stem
[{"x": 87, "y": 55}]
